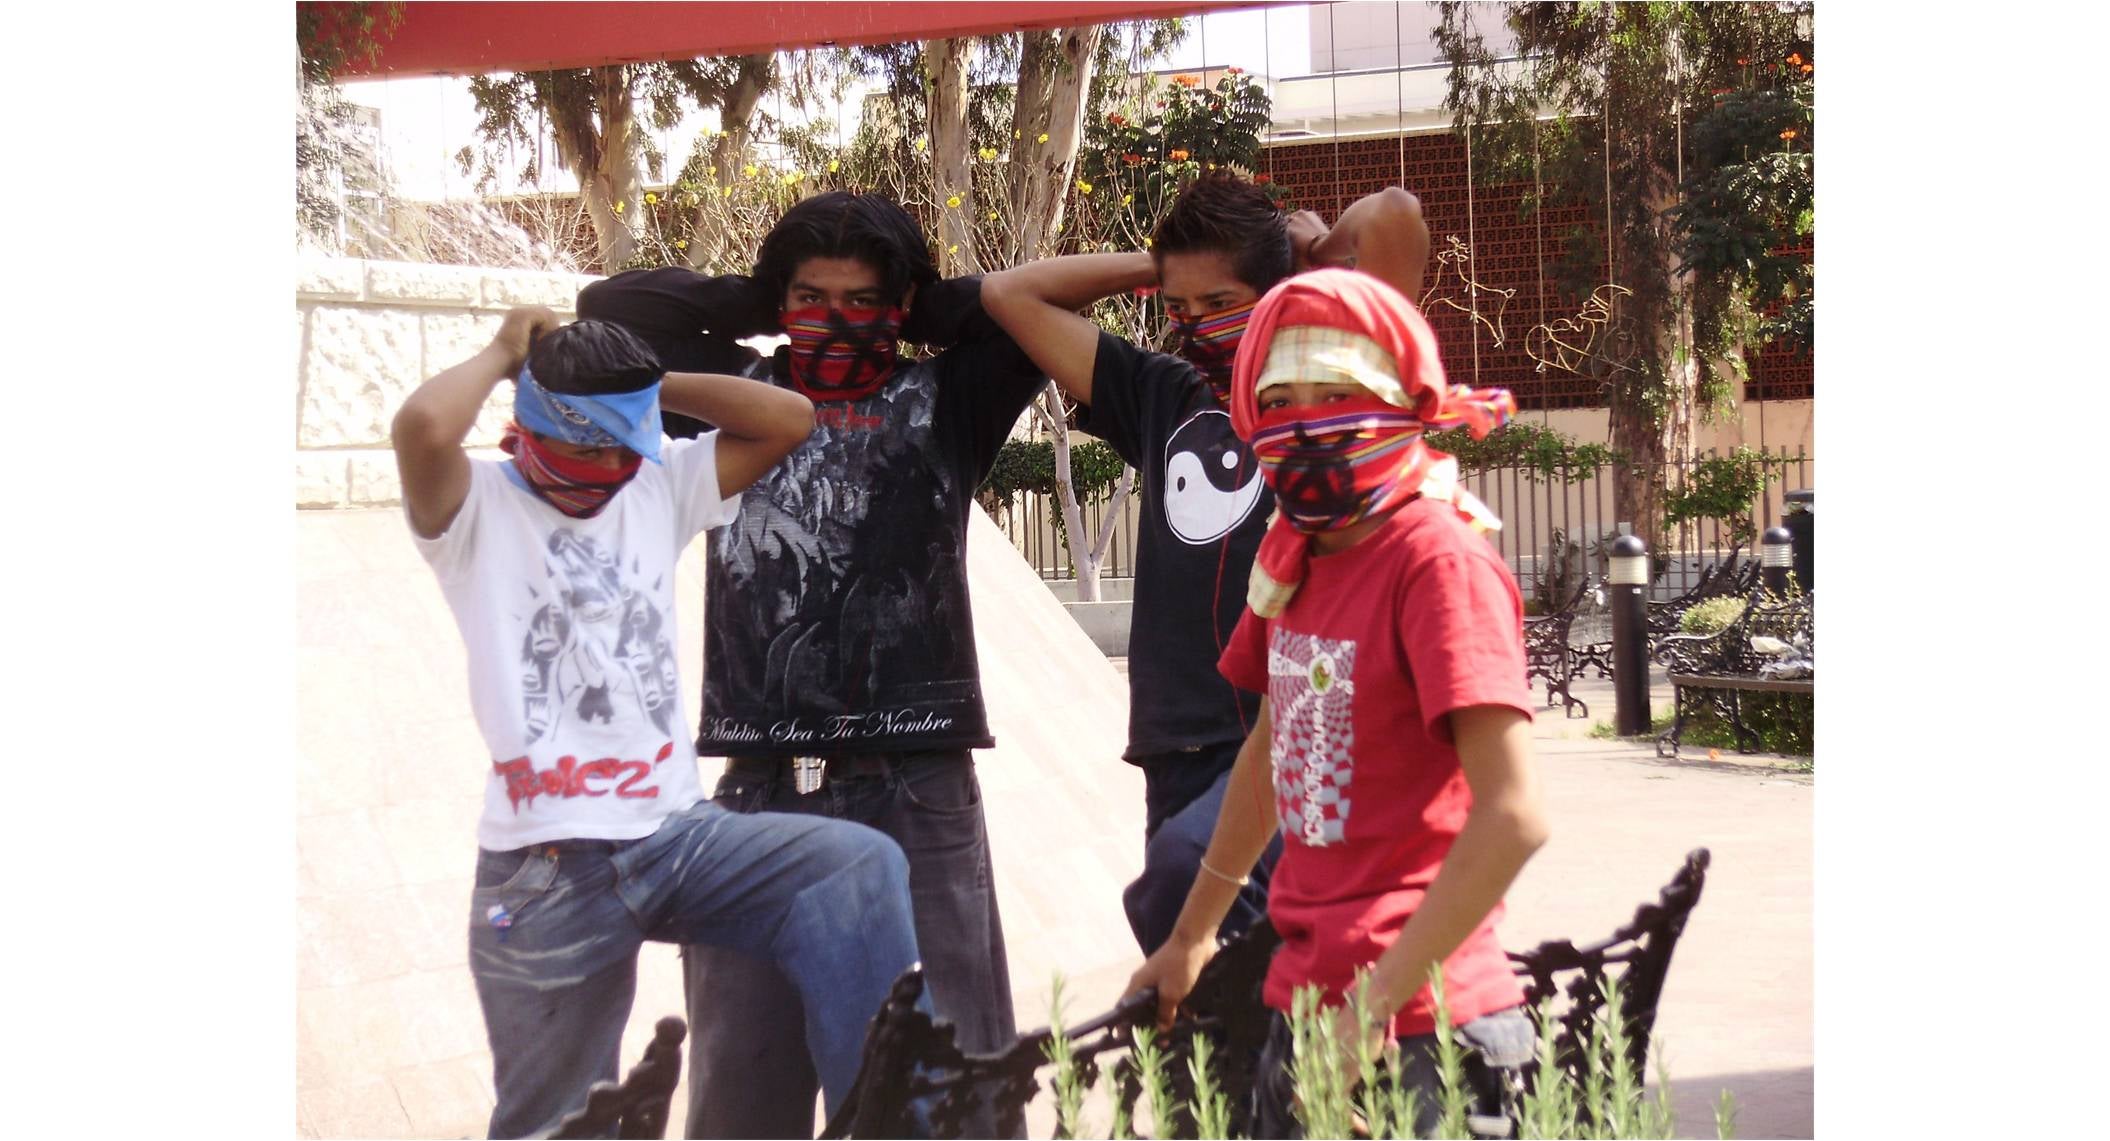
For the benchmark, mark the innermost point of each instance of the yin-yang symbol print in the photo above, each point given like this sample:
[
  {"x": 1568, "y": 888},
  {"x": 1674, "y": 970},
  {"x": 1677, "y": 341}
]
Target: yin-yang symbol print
[{"x": 1212, "y": 482}]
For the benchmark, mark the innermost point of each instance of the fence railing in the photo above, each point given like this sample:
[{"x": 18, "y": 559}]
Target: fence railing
[
  {"x": 1536, "y": 512},
  {"x": 1032, "y": 524},
  {"x": 1539, "y": 513}
]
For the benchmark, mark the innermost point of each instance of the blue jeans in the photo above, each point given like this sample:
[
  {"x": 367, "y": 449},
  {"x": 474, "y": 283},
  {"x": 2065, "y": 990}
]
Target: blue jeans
[
  {"x": 747, "y": 1074},
  {"x": 555, "y": 928},
  {"x": 1497, "y": 1047},
  {"x": 1182, "y": 793}
]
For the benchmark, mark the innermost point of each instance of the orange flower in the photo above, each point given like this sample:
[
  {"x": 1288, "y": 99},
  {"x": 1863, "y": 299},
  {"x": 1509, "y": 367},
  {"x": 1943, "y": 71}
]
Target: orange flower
[
  {"x": 1788, "y": 134},
  {"x": 1186, "y": 81},
  {"x": 1714, "y": 754},
  {"x": 1132, "y": 158},
  {"x": 1808, "y": 68},
  {"x": 1116, "y": 119},
  {"x": 1796, "y": 59},
  {"x": 1179, "y": 156}
]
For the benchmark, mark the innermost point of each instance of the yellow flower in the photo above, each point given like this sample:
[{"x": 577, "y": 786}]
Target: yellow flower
[
  {"x": 794, "y": 177},
  {"x": 988, "y": 154},
  {"x": 1043, "y": 138},
  {"x": 922, "y": 144},
  {"x": 953, "y": 249},
  {"x": 1126, "y": 199},
  {"x": 618, "y": 207},
  {"x": 1146, "y": 243},
  {"x": 1084, "y": 187},
  {"x": 651, "y": 199},
  {"x": 953, "y": 202},
  {"x": 725, "y": 192},
  {"x": 992, "y": 215},
  {"x": 749, "y": 170},
  {"x": 833, "y": 165},
  {"x": 681, "y": 245}
]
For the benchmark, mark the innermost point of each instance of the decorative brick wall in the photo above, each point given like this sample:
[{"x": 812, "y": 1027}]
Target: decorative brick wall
[
  {"x": 1507, "y": 249},
  {"x": 369, "y": 332}
]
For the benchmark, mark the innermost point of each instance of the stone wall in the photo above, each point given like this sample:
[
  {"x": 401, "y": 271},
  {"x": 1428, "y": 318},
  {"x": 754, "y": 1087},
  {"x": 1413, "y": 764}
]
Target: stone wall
[{"x": 370, "y": 332}]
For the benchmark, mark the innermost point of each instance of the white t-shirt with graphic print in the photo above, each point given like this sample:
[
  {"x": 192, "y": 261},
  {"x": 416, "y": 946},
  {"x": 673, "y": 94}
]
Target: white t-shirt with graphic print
[{"x": 571, "y": 635}]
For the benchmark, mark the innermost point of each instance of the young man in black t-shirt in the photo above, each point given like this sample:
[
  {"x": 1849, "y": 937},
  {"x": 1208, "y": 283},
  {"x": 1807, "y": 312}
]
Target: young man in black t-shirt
[
  {"x": 840, "y": 671},
  {"x": 1222, "y": 246}
]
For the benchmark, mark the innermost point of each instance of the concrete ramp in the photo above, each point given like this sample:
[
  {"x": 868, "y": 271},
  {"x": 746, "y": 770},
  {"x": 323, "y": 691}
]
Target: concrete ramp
[{"x": 389, "y": 783}]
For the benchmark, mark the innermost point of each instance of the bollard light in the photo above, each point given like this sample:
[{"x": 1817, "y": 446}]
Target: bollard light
[
  {"x": 1777, "y": 559},
  {"x": 1629, "y": 561},
  {"x": 1630, "y": 717}
]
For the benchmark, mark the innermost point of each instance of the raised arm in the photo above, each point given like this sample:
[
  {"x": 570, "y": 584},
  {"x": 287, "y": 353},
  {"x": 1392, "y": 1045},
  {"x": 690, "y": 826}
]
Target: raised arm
[
  {"x": 1036, "y": 303},
  {"x": 1385, "y": 235},
  {"x": 429, "y": 429},
  {"x": 758, "y": 424}
]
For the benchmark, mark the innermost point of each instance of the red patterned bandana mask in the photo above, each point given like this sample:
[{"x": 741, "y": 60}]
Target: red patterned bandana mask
[
  {"x": 1334, "y": 465},
  {"x": 842, "y": 354},
  {"x": 1210, "y": 344},
  {"x": 575, "y": 487},
  {"x": 1335, "y": 469}
]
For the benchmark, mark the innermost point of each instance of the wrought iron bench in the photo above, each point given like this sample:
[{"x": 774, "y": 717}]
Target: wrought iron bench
[
  {"x": 910, "y": 1058},
  {"x": 639, "y": 1106},
  {"x": 1718, "y": 580},
  {"x": 1715, "y": 670},
  {"x": 1548, "y": 655}
]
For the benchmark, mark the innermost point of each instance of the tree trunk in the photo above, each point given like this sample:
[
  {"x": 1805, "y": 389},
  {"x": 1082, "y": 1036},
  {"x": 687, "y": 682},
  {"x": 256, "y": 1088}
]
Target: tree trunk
[
  {"x": 1055, "y": 71},
  {"x": 1054, "y": 415},
  {"x": 735, "y": 132},
  {"x": 945, "y": 62},
  {"x": 598, "y": 154}
]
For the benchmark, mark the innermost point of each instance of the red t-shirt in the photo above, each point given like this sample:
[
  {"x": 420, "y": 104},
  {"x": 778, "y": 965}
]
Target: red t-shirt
[{"x": 1379, "y": 644}]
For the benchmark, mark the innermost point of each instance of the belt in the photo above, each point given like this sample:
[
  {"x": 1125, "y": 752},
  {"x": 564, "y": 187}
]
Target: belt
[{"x": 808, "y": 774}]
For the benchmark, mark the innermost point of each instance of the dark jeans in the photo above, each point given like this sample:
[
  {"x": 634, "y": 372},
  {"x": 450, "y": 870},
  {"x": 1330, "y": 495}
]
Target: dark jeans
[
  {"x": 1182, "y": 793},
  {"x": 748, "y": 1071},
  {"x": 554, "y": 931},
  {"x": 1498, "y": 1046}
]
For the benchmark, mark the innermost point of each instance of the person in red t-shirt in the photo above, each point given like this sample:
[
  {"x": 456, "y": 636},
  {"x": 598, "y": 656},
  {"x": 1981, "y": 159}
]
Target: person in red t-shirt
[{"x": 1387, "y": 637}]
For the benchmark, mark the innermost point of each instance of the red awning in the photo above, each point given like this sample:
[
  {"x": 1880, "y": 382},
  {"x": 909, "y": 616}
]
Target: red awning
[{"x": 443, "y": 37}]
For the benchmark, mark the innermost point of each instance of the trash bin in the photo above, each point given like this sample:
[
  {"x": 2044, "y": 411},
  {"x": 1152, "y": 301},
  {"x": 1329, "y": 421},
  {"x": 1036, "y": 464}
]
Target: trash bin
[{"x": 1800, "y": 518}]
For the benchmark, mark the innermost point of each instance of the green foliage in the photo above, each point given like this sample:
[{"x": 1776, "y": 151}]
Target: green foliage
[
  {"x": 1607, "y": 107},
  {"x": 1338, "y": 1084},
  {"x": 334, "y": 36},
  {"x": 1029, "y": 466},
  {"x": 1069, "y": 1077},
  {"x": 1543, "y": 453},
  {"x": 1711, "y": 616},
  {"x": 1722, "y": 487}
]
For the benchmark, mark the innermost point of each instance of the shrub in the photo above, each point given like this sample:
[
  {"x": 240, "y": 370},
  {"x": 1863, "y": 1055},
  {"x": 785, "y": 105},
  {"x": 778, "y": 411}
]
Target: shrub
[
  {"x": 1344, "y": 1089},
  {"x": 1711, "y": 616}
]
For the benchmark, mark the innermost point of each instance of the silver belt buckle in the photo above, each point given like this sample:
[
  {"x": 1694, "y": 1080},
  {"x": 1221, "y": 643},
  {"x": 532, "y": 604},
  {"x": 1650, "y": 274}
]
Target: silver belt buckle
[{"x": 806, "y": 774}]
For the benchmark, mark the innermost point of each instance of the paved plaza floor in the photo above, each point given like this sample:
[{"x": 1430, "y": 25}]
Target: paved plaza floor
[{"x": 390, "y": 1042}]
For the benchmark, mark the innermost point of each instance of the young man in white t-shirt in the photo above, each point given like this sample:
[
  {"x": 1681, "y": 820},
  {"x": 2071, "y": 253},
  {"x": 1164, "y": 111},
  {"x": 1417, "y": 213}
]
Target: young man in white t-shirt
[{"x": 559, "y": 566}]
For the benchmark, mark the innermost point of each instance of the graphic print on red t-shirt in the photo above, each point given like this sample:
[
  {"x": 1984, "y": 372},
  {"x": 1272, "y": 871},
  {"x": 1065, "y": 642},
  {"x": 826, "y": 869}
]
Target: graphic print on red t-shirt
[{"x": 1311, "y": 682}]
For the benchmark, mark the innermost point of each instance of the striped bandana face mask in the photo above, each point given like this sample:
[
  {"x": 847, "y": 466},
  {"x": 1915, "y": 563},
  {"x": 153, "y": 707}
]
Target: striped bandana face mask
[
  {"x": 842, "y": 354},
  {"x": 1335, "y": 466},
  {"x": 575, "y": 487},
  {"x": 1210, "y": 344}
]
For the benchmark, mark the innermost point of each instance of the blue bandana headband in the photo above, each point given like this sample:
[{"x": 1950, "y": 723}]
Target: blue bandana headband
[{"x": 621, "y": 419}]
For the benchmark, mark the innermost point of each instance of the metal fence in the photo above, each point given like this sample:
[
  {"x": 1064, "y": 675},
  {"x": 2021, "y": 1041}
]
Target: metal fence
[
  {"x": 1536, "y": 512},
  {"x": 1032, "y": 525},
  {"x": 1539, "y": 514}
]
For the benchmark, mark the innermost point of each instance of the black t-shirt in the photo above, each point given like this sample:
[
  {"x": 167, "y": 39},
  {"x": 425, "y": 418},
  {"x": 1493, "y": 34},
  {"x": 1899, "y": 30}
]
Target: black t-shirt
[
  {"x": 1205, "y": 509},
  {"x": 837, "y": 616}
]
